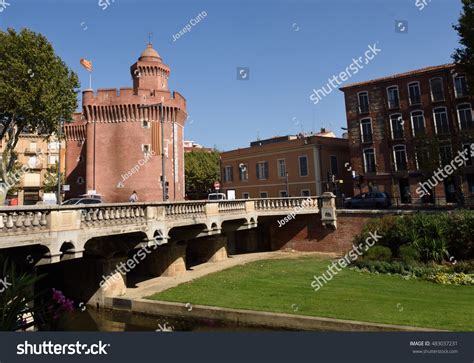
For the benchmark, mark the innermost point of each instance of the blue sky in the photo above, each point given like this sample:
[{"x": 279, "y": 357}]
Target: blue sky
[{"x": 290, "y": 48}]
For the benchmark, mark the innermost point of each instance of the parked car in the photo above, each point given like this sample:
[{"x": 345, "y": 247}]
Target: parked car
[
  {"x": 369, "y": 200},
  {"x": 93, "y": 196},
  {"x": 216, "y": 196},
  {"x": 77, "y": 201}
]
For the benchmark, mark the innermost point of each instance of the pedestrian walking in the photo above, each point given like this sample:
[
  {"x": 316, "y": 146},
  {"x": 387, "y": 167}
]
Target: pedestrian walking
[{"x": 133, "y": 198}]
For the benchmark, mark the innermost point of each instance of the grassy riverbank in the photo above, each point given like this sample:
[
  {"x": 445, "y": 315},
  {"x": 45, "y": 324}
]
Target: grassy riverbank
[{"x": 284, "y": 286}]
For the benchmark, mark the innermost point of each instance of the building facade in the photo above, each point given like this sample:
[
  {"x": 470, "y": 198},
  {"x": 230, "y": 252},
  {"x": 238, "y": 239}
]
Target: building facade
[
  {"x": 405, "y": 127},
  {"x": 190, "y": 146},
  {"x": 116, "y": 145},
  {"x": 41, "y": 155},
  {"x": 292, "y": 166}
]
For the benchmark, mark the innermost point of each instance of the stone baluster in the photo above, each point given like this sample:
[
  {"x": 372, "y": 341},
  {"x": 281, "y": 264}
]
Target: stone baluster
[
  {"x": 43, "y": 220},
  {"x": 10, "y": 221},
  {"x": 19, "y": 222},
  {"x": 27, "y": 222}
]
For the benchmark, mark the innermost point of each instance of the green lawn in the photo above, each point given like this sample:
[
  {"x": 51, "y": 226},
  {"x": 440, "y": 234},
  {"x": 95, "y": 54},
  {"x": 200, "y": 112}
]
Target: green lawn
[{"x": 284, "y": 286}]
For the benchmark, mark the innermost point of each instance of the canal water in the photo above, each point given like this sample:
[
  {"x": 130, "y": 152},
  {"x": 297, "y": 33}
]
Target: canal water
[{"x": 117, "y": 321}]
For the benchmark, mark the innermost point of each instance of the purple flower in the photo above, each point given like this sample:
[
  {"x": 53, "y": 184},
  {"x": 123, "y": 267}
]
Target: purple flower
[
  {"x": 58, "y": 296},
  {"x": 68, "y": 305}
]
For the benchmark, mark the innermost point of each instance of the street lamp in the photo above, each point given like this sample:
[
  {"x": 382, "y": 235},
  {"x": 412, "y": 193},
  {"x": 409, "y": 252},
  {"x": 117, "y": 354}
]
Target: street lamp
[{"x": 61, "y": 123}]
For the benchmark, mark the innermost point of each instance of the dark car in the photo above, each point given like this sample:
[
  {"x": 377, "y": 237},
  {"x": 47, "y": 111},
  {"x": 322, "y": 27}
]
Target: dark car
[
  {"x": 76, "y": 201},
  {"x": 369, "y": 200}
]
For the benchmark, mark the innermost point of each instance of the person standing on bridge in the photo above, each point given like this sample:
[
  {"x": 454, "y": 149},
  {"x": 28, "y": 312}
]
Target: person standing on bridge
[{"x": 133, "y": 198}]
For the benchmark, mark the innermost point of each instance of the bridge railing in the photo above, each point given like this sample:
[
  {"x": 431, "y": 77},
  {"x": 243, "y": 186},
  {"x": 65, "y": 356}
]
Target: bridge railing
[
  {"x": 231, "y": 206},
  {"x": 31, "y": 219},
  {"x": 23, "y": 219},
  {"x": 107, "y": 214},
  {"x": 267, "y": 204},
  {"x": 175, "y": 209}
]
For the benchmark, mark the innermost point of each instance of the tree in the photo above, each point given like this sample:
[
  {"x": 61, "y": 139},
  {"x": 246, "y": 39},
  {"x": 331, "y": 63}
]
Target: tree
[
  {"x": 50, "y": 183},
  {"x": 201, "y": 170},
  {"x": 9, "y": 182},
  {"x": 37, "y": 90},
  {"x": 464, "y": 56}
]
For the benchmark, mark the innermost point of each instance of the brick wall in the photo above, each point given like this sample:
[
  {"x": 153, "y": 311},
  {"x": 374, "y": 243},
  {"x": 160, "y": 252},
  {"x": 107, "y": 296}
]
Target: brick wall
[{"x": 306, "y": 233}]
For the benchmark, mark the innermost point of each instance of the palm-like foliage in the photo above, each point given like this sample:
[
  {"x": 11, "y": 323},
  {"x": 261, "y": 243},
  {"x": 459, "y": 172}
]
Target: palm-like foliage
[
  {"x": 18, "y": 299},
  {"x": 427, "y": 236}
]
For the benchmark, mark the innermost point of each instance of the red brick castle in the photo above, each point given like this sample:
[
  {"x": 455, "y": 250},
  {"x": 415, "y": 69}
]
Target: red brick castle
[{"x": 114, "y": 146}]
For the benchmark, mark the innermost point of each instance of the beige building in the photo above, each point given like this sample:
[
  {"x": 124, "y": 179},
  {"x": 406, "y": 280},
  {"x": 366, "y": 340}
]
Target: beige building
[
  {"x": 38, "y": 155},
  {"x": 292, "y": 166}
]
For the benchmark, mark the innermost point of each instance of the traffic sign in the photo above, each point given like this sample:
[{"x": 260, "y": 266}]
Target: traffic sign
[{"x": 217, "y": 185}]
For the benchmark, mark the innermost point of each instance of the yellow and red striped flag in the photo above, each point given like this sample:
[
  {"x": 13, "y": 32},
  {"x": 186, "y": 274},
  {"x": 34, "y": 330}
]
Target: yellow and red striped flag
[{"x": 86, "y": 64}]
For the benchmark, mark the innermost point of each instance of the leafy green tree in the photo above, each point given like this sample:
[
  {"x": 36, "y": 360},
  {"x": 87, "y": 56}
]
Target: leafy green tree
[
  {"x": 201, "y": 170},
  {"x": 9, "y": 182},
  {"x": 50, "y": 182},
  {"x": 464, "y": 55},
  {"x": 37, "y": 90}
]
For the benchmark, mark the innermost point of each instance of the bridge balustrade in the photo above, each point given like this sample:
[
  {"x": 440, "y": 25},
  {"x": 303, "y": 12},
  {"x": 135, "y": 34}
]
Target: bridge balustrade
[
  {"x": 23, "y": 220},
  {"x": 112, "y": 214},
  {"x": 185, "y": 209},
  {"x": 268, "y": 204},
  {"x": 231, "y": 206}
]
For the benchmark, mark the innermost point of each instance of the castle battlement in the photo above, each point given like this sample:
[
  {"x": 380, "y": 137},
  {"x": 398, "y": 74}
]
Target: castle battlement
[{"x": 127, "y": 96}]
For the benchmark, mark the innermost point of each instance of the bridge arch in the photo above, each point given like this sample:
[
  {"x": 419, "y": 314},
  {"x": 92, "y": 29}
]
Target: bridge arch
[{"x": 109, "y": 246}]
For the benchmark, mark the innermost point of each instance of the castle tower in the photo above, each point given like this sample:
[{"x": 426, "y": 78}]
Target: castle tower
[
  {"x": 119, "y": 149},
  {"x": 149, "y": 72}
]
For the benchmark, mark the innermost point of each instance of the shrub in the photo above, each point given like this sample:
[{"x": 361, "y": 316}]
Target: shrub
[
  {"x": 464, "y": 266},
  {"x": 459, "y": 234},
  {"x": 430, "y": 249},
  {"x": 431, "y": 235},
  {"x": 399, "y": 268},
  {"x": 388, "y": 227},
  {"x": 378, "y": 253},
  {"x": 408, "y": 254}
]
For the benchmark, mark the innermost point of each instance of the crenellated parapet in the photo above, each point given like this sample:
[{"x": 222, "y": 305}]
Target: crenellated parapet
[
  {"x": 76, "y": 130},
  {"x": 114, "y": 106}
]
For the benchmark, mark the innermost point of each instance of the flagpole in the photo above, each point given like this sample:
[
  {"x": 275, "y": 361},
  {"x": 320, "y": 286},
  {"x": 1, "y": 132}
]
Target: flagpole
[{"x": 90, "y": 80}]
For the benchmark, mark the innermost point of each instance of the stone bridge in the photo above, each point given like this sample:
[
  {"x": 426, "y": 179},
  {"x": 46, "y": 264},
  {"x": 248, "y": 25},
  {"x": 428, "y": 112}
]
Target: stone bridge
[
  {"x": 82, "y": 247},
  {"x": 62, "y": 232}
]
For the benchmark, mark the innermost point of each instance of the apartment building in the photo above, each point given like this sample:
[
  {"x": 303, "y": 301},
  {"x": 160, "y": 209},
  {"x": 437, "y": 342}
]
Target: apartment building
[
  {"x": 39, "y": 155},
  {"x": 403, "y": 128},
  {"x": 292, "y": 166}
]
